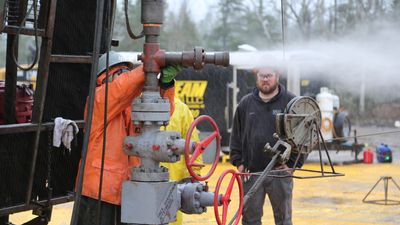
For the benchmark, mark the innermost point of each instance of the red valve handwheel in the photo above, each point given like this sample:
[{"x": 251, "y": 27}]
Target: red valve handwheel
[
  {"x": 200, "y": 147},
  {"x": 226, "y": 197}
]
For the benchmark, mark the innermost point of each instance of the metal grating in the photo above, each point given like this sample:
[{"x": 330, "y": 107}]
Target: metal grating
[{"x": 15, "y": 13}]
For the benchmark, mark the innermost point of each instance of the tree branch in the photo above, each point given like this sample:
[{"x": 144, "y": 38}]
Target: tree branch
[{"x": 260, "y": 19}]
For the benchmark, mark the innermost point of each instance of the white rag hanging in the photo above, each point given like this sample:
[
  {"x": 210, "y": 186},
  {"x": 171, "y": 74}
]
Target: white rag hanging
[{"x": 64, "y": 132}]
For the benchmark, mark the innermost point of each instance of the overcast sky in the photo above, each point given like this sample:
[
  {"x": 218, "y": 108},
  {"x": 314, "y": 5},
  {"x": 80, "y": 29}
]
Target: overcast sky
[{"x": 197, "y": 8}]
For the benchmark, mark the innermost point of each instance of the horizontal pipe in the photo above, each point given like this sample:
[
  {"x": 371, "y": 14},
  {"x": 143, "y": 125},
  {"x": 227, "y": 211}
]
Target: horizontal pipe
[
  {"x": 30, "y": 127},
  {"x": 196, "y": 58},
  {"x": 9, "y": 29},
  {"x": 81, "y": 59}
]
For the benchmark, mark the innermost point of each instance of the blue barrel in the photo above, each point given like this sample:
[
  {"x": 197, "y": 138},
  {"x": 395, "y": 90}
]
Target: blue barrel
[{"x": 384, "y": 153}]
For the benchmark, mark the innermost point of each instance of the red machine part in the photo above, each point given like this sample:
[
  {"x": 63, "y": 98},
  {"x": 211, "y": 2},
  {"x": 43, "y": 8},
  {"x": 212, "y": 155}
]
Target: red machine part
[
  {"x": 226, "y": 198},
  {"x": 201, "y": 147},
  {"x": 23, "y": 104}
]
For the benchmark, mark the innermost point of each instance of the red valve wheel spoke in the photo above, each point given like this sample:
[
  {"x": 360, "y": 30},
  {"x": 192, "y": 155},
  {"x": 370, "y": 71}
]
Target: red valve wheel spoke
[
  {"x": 225, "y": 211},
  {"x": 204, "y": 143},
  {"x": 230, "y": 187},
  {"x": 190, "y": 158},
  {"x": 197, "y": 152},
  {"x": 198, "y": 165},
  {"x": 225, "y": 200}
]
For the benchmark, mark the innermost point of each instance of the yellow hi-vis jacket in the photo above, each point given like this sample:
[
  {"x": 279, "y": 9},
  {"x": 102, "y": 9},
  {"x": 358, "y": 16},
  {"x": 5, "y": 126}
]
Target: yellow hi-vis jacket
[{"x": 180, "y": 121}]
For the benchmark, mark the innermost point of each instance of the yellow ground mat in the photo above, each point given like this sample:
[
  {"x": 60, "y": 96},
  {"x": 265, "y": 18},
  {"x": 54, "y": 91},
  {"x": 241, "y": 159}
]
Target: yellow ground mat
[{"x": 325, "y": 201}]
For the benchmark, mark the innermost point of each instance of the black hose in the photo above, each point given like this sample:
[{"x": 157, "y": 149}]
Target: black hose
[
  {"x": 128, "y": 26},
  {"x": 14, "y": 44}
]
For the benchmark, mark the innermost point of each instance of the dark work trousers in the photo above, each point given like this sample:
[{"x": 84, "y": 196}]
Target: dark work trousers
[
  {"x": 279, "y": 191},
  {"x": 110, "y": 213}
]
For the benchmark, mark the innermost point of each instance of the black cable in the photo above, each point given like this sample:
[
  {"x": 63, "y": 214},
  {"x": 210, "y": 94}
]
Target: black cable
[
  {"x": 128, "y": 26},
  {"x": 14, "y": 44},
  {"x": 88, "y": 122},
  {"x": 103, "y": 152},
  {"x": 364, "y": 135}
]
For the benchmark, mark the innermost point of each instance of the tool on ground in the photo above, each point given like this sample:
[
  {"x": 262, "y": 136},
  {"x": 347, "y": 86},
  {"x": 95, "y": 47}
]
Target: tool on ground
[{"x": 386, "y": 200}]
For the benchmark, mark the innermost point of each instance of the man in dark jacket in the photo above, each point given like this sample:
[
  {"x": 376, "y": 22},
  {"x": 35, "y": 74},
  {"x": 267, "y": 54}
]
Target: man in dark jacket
[{"x": 253, "y": 127}]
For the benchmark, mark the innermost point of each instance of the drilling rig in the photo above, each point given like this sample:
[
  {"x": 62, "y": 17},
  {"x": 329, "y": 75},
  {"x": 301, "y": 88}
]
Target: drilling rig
[{"x": 72, "y": 35}]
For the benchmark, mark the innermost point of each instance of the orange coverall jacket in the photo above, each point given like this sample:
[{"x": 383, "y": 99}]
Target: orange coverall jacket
[{"x": 121, "y": 91}]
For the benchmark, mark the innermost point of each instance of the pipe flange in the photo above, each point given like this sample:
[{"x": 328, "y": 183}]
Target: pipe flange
[
  {"x": 198, "y": 58},
  {"x": 150, "y": 175}
]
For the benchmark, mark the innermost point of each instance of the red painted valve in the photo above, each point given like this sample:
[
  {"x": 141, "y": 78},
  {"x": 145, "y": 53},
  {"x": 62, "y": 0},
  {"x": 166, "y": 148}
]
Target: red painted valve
[
  {"x": 226, "y": 198},
  {"x": 200, "y": 147}
]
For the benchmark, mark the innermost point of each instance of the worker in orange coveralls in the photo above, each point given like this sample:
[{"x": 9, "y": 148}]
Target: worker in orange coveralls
[{"x": 125, "y": 83}]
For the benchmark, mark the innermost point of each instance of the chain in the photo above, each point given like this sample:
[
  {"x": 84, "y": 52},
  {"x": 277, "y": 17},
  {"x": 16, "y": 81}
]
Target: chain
[{"x": 49, "y": 152}]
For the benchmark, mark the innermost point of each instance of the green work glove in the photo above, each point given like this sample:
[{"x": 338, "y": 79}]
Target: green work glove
[{"x": 169, "y": 73}]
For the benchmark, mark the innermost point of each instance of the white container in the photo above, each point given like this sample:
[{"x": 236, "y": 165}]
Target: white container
[
  {"x": 336, "y": 101},
  {"x": 325, "y": 102}
]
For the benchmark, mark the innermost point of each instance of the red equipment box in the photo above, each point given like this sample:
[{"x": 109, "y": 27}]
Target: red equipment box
[{"x": 23, "y": 105}]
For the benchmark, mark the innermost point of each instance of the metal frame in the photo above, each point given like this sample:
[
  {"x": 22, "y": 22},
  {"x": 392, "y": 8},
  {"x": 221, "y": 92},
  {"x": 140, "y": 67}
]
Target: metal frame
[
  {"x": 46, "y": 17},
  {"x": 322, "y": 173}
]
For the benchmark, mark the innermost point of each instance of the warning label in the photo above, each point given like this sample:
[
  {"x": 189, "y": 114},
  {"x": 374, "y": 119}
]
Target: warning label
[{"x": 191, "y": 92}]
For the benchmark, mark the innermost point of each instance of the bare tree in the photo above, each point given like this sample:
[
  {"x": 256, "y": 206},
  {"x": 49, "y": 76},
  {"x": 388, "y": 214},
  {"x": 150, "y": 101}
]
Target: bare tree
[
  {"x": 259, "y": 13},
  {"x": 226, "y": 32},
  {"x": 228, "y": 9},
  {"x": 181, "y": 31},
  {"x": 320, "y": 20},
  {"x": 302, "y": 16}
]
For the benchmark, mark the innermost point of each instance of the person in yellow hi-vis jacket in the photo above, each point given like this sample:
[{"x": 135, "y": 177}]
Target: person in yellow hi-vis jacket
[{"x": 180, "y": 121}]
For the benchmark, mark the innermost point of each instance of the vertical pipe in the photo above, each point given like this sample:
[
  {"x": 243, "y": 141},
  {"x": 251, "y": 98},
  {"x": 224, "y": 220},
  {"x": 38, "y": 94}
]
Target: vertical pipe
[
  {"x": 152, "y": 17},
  {"x": 386, "y": 184},
  {"x": 283, "y": 12},
  {"x": 11, "y": 80},
  {"x": 235, "y": 89},
  {"x": 362, "y": 93},
  {"x": 293, "y": 78},
  {"x": 11, "y": 67},
  {"x": 335, "y": 18}
]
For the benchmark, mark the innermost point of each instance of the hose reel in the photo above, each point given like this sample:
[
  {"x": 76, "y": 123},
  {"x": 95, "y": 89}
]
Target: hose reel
[{"x": 300, "y": 123}]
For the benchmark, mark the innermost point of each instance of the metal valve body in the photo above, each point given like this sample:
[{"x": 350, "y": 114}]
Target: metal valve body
[{"x": 149, "y": 197}]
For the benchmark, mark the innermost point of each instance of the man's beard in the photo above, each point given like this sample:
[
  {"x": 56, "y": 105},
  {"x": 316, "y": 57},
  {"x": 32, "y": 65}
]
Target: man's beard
[{"x": 267, "y": 90}]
